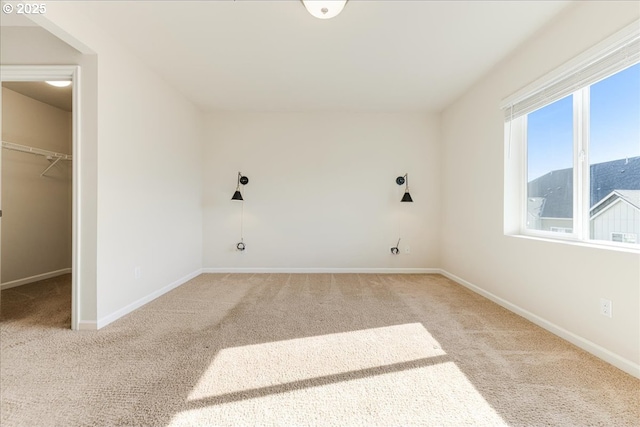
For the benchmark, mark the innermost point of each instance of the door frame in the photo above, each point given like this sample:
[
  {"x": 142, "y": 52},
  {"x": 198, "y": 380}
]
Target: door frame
[{"x": 30, "y": 73}]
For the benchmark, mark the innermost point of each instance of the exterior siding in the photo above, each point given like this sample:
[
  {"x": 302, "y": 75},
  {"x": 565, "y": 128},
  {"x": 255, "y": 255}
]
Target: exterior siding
[
  {"x": 619, "y": 218},
  {"x": 547, "y": 223}
]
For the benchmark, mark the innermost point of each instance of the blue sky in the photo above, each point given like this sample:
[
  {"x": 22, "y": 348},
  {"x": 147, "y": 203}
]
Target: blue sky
[{"x": 615, "y": 126}]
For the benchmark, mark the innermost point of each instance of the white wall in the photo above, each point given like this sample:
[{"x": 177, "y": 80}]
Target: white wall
[
  {"x": 149, "y": 182},
  {"x": 322, "y": 191},
  {"x": 149, "y": 172},
  {"x": 558, "y": 283},
  {"x": 36, "y": 221}
]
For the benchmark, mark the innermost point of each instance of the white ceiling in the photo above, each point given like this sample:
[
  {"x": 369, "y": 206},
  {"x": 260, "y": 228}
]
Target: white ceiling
[
  {"x": 15, "y": 19},
  {"x": 274, "y": 56}
]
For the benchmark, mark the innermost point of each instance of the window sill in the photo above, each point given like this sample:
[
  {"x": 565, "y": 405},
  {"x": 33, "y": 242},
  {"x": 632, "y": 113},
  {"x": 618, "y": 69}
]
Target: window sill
[{"x": 582, "y": 244}]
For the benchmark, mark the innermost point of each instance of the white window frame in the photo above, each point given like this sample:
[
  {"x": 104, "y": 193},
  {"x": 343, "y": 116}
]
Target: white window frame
[
  {"x": 580, "y": 220},
  {"x": 532, "y": 98}
]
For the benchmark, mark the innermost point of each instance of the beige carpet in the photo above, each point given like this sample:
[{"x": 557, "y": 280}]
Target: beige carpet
[{"x": 280, "y": 349}]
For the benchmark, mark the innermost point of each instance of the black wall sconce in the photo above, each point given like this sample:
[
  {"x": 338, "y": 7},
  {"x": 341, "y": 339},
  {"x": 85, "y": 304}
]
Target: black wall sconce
[
  {"x": 238, "y": 196},
  {"x": 404, "y": 180},
  {"x": 241, "y": 180}
]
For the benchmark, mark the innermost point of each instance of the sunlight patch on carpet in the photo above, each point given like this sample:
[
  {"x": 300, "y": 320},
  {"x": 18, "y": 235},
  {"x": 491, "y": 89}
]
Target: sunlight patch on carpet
[
  {"x": 268, "y": 364},
  {"x": 396, "y": 375}
]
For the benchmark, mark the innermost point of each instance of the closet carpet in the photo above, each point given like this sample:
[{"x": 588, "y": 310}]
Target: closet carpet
[{"x": 298, "y": 349}]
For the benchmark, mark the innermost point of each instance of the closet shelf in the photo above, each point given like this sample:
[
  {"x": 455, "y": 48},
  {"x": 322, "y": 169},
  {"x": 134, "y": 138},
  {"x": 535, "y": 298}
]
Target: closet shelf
[
  {"x": 50, "y": 155},
  {"x": 37, "y": 151}
]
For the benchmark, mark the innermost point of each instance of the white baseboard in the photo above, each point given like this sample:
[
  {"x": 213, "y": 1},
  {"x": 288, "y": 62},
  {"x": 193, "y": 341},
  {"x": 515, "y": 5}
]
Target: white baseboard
[
  {"x": 35, "y": 278},
  {"x": 325, "y": 270},
  {"x": 104, "y": 321},
  {"x": 87, "y": 325},
  {"x": 626, "y": 365}
]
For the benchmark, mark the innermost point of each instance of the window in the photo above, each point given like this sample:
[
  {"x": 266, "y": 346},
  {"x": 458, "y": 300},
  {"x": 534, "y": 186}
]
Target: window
[
  {"x": 577, "y": 143},
  {"x": 562, "y": 230},
  {"x": 624, "y": 237},
  {"x": 549, "y": 143}
]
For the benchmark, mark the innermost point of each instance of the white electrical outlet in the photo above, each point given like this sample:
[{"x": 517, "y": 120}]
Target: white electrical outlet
[
  {"x": 606, "y": 308},
  {"x": 137, "y": 272}
]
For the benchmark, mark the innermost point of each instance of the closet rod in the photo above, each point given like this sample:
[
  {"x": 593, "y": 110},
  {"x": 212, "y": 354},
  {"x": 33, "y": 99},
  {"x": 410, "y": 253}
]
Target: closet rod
[{"x": 38, "y": 151}]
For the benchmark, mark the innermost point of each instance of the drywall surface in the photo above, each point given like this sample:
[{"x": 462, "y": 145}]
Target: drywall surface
[
  {"x": 36, "y": 210},
  {"x": 149, "y": 183},
  {"x": 321, "y": 191},
  {"x": 560, "y": 283}
]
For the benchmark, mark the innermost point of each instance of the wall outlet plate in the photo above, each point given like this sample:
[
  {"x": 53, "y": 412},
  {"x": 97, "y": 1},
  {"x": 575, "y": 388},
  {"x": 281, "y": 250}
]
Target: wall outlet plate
[{"x": 606, "y": 307}]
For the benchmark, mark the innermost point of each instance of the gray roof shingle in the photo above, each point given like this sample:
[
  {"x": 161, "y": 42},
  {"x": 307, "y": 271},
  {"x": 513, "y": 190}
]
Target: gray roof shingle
[{"x": 556, "y": 187}]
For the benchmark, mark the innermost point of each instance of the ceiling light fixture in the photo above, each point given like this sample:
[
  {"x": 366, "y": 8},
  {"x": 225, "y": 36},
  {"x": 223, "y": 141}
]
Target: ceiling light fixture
[
  {"x": 59, "y": 83},
  {"x": 324, "y": 9}
]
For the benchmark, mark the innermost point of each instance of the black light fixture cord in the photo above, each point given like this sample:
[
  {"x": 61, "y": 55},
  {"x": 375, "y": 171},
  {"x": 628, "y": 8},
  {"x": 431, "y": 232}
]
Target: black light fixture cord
[
  {"x": 406, "y": 190},
  {"x": 242, "y": 222},
  {"x": 241, "y": 210}
]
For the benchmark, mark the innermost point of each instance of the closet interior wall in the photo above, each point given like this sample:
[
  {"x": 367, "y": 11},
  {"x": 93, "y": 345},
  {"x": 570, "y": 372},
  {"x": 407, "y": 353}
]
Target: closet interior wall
[{"x": 36, "y": 222}]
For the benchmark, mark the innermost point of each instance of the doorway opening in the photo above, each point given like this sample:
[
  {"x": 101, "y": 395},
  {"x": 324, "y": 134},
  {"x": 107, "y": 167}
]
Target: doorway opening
[{"x": 39, "y": 182}]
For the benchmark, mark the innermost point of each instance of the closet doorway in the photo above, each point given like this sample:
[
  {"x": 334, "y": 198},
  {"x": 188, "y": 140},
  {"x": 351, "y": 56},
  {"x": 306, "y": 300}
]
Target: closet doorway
[{"x": 38, "y": 203}]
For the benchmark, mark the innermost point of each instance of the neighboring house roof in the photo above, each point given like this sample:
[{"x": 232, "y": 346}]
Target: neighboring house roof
[
  {"x": 632, "y": 197},
  {"x": 535, "y": 205},
  {"x": 623, "y": 174},
  {"x": 556, "y": 187}
]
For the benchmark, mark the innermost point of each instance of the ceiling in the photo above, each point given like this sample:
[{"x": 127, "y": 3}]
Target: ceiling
[
  {"x": 40, "y": 91},
  {"x": 274, "y": 56},
  {"x": 15, "y": 20},
  {"x": 59, "y": 97}
]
